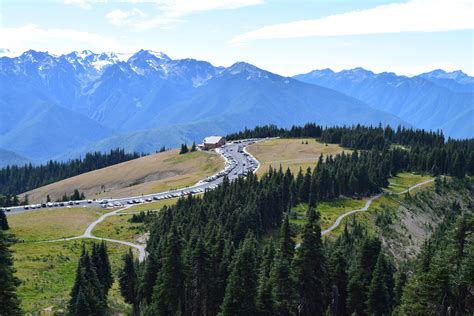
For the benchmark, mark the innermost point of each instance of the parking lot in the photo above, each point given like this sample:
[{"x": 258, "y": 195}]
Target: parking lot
[{"x": 238, "y": 163}]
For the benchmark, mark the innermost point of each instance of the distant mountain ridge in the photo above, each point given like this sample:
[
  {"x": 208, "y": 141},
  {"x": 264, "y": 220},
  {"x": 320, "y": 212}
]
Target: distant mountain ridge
[
  {"x": 62, "y": 106},
  {"x": 435, "y": 100},
  {"x": 457, "y": 80},
  {"x": 9, "y": 158}
]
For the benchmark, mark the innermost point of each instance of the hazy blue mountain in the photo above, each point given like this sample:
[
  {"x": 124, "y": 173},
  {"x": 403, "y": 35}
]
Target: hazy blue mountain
[
  {"x": 416, "y": 100},
  {"x": 60, "y": 106},
  {"x": 457, "y": 81},
  {"x": 130, "y": 94},
  {"x": 244, "y": 95},
  {"x": 9, "y": 158}
]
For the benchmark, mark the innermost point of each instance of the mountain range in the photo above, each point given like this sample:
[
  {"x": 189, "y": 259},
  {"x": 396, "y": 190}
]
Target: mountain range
[
  {"x": 433, "y": 100},
  {"x": 57, "y": 107}
]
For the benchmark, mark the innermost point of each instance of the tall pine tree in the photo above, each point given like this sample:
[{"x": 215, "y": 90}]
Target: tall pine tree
[
  {"x": 281, "y": 277},
  {"x": 241, "y": 291},
  {"x": 309, "y": 265},
  {"x": 128, "y": 280},
  {"x": 9, "y": 301}
]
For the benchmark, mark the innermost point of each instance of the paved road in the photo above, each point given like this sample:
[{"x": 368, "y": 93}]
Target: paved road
[
  {"x": 88, "y": 234},
  {"x": 238, "y": 163},
  {"x": 367, "y": 205},
  {"x": 340, "y": 218}
]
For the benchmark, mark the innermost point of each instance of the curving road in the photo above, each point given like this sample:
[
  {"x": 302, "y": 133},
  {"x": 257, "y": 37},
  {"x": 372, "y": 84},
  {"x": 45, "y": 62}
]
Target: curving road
[
  {"x": 238, "y": 162},
  {"x": 88, "y": 234},
  {"x": 367, "y": 205}
]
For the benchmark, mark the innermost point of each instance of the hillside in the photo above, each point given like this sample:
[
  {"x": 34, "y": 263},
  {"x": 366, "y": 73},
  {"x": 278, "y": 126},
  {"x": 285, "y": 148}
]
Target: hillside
[
  {"x": 145, "y": 175},
  {"x": 8, "y": 157},
  {"x": 291, "y": 153}
]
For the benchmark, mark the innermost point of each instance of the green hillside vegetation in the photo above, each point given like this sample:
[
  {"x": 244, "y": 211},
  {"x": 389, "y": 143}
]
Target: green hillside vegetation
[
  {"x": 47, "y": 272},
  {"x": 119, "y": 227},
  {"x": 49, "y": 224},
  {"x": 404, "y": 222},
  {"x": 402, "y": 181},
  {"x": 329, "y": 211}
]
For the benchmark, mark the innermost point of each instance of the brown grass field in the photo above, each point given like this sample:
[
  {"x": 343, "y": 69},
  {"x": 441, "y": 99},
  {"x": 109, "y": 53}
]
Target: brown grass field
[
  {"x": 291, "y": 153},
  {"x": 145, "y": 175}
]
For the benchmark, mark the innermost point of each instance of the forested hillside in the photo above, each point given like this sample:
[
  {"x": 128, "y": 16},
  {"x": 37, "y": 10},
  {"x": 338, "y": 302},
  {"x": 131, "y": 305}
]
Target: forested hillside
[
  {"x": 216, "y": 254},
  {"x": 234, "y": 251}
]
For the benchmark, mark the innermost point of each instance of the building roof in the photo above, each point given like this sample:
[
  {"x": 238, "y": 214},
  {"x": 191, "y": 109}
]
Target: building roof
[{"x": 212, "y": 139}]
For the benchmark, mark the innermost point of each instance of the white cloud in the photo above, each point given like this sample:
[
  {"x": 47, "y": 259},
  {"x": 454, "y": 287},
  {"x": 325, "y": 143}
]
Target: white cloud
[
  {"x": 137, "y": 19},
  {"x": 412, "y": 16},
  {"x": 119, "y": 17},
  {"x": 171, "y": 11},
  {"x": 30, "y": 36},
  {"x": 179, "y": 8},
  {"x": 83, "y": 4}
]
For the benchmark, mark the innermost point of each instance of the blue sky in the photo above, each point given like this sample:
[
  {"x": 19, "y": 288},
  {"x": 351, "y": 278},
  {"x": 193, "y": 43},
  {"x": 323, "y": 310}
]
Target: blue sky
[{"x": 286, "y": 37}]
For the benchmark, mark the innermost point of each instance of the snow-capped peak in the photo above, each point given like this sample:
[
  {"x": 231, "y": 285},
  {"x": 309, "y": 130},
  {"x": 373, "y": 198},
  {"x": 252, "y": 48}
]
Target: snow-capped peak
[
  {"x": 241, "y": 66},
  {"x": 146, "y": 54}
]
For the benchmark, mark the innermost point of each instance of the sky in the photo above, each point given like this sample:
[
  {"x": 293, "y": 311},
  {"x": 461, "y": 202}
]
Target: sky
[{"x": 286, "y": 37}]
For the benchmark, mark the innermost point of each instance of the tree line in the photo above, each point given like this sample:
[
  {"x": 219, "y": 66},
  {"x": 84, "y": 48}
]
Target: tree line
[{"x": 411, "y": 149}]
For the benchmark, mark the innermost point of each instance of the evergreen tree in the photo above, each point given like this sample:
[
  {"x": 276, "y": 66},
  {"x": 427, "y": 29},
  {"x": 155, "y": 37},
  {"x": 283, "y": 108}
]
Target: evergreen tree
[
  {"x": 378, "y": 300},
  {"x": 459, "y": 165},
  {"x": 360, "y": 275},
  {"x": 184, "y": 149},
  {"x": 168, "y": 293},
  {"x": 87, "y": 292},
  {"x": 76, "y": 195},
  {"x": 128, "y": 280},
  {"x": 193, "y": 147},
  {"x": 148, "y": 278},
  {"x": 338, "y": 280},
  {"x": 310, "y": 265},
  {"x": 9, "y": 301},
  {"x": 198, "y": 280},
  {"x": 281, "y": 278},
  {"x": 241, "y": 290},
  {"x": 81, "y": 305},
  {"x": 100, "y": 259},
  {"x": 264, "y": 291},
  {"x": 3, "y": 221}
]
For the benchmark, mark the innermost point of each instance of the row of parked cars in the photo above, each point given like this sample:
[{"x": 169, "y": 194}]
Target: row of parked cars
[
  {"x": 110, "y": 204},
  {"x": 229, "y": 166},
  {"x": 53, "y": 204}
]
